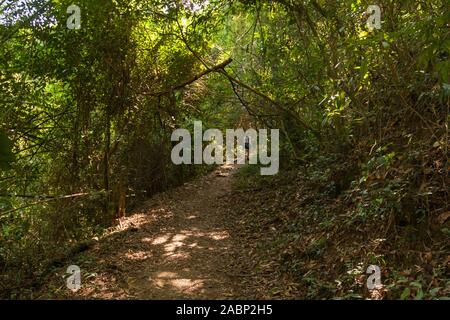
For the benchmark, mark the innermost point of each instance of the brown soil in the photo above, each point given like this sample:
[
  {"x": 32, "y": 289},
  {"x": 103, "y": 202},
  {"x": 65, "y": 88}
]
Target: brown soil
[{"x": 182, "y": 244}]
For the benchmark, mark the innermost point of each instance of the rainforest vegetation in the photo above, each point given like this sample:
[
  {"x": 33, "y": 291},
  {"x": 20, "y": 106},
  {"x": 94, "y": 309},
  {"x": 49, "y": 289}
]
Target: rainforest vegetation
[{"x": 87, "y": 113}]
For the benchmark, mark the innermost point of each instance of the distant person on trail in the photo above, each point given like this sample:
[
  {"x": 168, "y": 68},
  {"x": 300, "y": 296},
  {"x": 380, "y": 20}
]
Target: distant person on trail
[{"x": 247, "y": 148}]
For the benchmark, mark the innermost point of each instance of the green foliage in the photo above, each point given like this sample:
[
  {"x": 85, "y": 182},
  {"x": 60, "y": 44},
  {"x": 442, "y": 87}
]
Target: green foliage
[{"x": 362, "y": 114}]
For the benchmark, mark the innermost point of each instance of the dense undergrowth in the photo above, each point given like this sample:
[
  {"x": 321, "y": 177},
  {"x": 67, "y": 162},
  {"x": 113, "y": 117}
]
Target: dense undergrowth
[{"x": 325, "y": 240}]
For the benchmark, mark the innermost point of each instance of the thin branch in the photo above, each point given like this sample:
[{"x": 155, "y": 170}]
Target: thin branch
[
  {"x": 70, "y": 196},
  {"x": 217, "y": 68}
]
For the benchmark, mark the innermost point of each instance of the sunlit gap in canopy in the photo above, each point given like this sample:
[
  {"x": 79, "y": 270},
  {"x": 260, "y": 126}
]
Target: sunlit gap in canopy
[
  {"x": 188, "y": 5},
  {"x": 28, "y": 12}
]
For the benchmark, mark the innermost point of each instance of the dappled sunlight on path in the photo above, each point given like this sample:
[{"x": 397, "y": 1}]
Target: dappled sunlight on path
[{"x": 177, "y": 246}]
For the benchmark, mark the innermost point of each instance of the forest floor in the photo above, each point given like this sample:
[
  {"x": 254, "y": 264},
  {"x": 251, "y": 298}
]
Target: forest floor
[
  {"x": 187, "y": 243},
  {"x": 233, "y": 234}
]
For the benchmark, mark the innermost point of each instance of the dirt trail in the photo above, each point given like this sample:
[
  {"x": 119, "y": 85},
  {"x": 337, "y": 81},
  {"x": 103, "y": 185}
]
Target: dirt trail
[{"x": 178, "y": 246}]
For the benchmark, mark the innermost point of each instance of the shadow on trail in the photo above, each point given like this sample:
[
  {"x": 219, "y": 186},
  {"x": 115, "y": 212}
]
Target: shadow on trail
[{"x": 176, "y": 247}]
